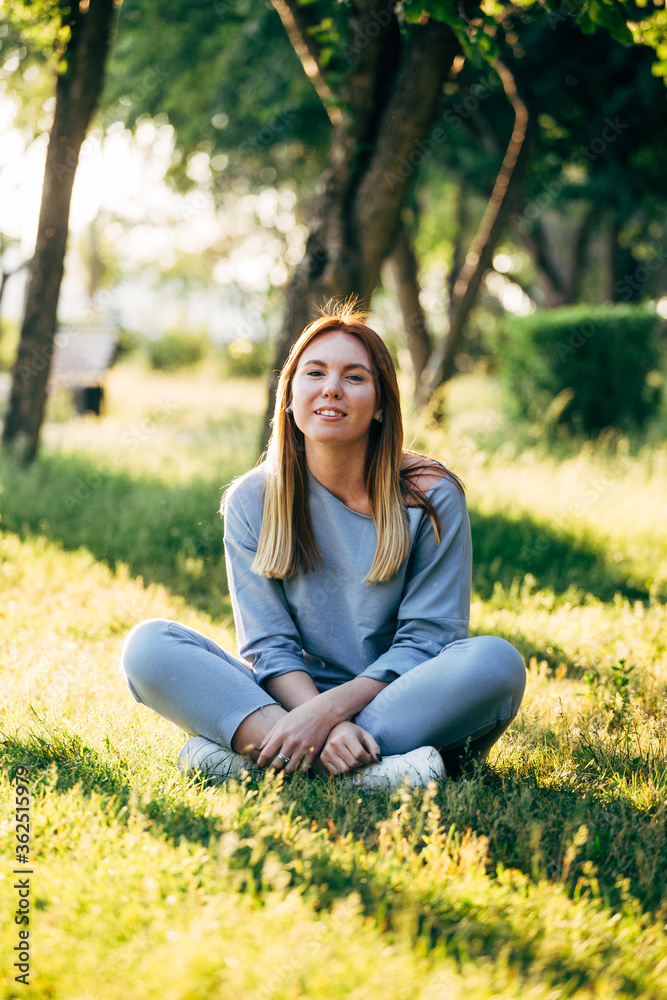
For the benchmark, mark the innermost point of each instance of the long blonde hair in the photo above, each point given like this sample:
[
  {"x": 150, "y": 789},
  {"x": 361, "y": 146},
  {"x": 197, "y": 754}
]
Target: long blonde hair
[{"x": 287, "y": 545}]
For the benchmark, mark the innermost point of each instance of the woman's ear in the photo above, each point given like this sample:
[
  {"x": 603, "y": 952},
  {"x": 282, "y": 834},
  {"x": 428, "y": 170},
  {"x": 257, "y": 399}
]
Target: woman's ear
[{"x": 378, "y": 416}]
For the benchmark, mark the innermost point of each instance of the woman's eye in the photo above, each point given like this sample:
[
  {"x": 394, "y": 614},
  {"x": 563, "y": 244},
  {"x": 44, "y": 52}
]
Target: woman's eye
[
  {"x": 314, "y": 372},
  {"x": 358, "y": 378}
]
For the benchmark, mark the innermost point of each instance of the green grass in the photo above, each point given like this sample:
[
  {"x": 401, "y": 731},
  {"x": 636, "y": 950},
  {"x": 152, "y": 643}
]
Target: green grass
[{"x": 540, "y": 875}]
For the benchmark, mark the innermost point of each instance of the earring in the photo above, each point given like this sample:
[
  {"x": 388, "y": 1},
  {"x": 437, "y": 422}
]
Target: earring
[
  {"x": 288, "y": 409},
  {"x": 380, "y": 419}
]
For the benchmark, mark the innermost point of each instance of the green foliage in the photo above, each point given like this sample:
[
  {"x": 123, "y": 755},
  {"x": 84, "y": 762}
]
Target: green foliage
[
  {"x": 174, "y": 350},
  {"x": 258, "y": 118},
  {"x": 587, "y": 367},
  {"x": 652, "y": 30},
  {"x": 246, "y": 358}
]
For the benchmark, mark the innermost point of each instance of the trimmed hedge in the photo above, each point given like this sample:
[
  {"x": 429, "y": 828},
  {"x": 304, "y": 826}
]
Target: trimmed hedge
[
  {"x": 174, "y": 350},
  {"x": 588, "y": 367}
]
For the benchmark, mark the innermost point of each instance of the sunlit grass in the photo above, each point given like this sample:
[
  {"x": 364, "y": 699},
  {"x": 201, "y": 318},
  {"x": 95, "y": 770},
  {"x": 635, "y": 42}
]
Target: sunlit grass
[{"x": 541, "y": 875}]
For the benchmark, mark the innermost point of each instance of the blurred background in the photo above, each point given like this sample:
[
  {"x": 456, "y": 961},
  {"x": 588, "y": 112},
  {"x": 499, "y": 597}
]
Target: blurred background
[{"x": 523, "y": 194}]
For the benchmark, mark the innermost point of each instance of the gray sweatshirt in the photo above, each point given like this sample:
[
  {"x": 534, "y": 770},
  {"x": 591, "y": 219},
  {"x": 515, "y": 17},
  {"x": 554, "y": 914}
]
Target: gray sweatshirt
[{"x": 328, "y": 622}]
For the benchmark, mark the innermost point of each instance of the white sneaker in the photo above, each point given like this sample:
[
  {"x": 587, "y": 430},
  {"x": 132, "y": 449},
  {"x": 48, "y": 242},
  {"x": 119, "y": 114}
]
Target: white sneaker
[
  {"x": 416, "y": 768},
  {"x": 212, "y": 760}
]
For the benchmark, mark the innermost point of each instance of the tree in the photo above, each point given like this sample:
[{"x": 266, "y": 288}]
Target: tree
[
  {"x": 596, "y": 172},
  {"x": 85, "y": 38},
  {"x": 228, "y": 81},
  {"x": 572, "y": 86},
  {"x": 377, "y": 70},
  {"x": 389, "y": 94}
]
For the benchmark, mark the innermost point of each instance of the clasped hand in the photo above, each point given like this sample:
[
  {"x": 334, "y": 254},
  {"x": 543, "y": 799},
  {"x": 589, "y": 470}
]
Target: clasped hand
[{"x": 306, "y": 733}]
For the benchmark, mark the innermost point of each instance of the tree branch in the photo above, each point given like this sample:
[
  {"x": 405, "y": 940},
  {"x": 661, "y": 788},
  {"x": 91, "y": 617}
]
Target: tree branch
[
  {"x": 441, "y": 365},
  {"x": 308, "y": 51}
]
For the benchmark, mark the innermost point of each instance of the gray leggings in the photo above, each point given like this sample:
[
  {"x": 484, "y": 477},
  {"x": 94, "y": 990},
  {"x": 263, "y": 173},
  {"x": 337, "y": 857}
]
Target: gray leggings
[{"x": 466, "y": 696}]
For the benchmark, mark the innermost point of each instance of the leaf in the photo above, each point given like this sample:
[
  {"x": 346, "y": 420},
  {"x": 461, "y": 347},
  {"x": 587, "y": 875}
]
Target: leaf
[{"x": 610, "y": 15}]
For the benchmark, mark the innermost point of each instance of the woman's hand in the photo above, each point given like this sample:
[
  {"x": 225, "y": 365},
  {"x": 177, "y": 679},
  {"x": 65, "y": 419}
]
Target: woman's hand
[
  {"x": 348, "y": 746},
  {"x": 299, "y": 735}
]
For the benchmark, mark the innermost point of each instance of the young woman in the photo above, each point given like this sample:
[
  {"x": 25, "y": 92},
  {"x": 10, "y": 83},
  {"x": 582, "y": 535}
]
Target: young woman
[{"x": 348, "y": 562}]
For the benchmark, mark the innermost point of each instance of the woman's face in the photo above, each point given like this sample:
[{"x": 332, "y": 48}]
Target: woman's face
[{"x": 333, "y": 391}]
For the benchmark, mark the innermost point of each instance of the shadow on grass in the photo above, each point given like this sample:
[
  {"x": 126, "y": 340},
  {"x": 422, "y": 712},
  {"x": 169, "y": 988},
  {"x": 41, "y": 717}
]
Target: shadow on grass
[
  {"x": 531, "y": 818},
  {"x": 548, "y": 651},
  {"x": 173, "y": 534},
  {"x": 506, "y": 549}
]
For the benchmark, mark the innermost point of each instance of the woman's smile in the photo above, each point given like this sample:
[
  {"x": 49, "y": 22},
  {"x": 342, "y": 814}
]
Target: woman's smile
[
  {"x": 334, "y": 394},
  {"x": 329, "y": 414}
]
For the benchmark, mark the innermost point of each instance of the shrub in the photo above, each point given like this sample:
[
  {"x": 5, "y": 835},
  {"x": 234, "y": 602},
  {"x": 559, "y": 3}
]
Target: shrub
[
  {"x": 177, "y": 350},
  {"x": 588, "y": 366},
  {"x": 246, "y": 358}
]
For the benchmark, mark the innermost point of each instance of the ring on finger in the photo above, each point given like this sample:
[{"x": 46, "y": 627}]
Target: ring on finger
[{"x": 285, "y": 760}]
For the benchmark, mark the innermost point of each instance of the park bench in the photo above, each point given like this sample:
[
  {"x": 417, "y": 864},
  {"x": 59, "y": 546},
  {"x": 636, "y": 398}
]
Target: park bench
[{"x": 81, "y": 359}]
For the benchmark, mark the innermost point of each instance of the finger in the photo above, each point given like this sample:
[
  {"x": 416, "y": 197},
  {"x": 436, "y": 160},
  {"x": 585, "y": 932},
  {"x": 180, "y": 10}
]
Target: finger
[
  {"x": 303, "y": 761},
  {"x": 371, "y": 745},
  {"x": 268, "y": 746},
  {"x": 276, "y": 762},
  {"x": 330, "y": 765},
  {"x": 353, "y": 750},
  {"x": 362, "y": 759},
  {"x": 268, "y": 754},
  {"x": 336, "y": 762},
  {"x": 286, "y": 759},
  {"x": 351, "y": 756}
]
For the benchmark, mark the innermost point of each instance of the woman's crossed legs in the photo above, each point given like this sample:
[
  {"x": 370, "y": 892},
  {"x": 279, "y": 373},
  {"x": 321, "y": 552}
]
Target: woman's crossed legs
[{"x": 465, "y": 697}]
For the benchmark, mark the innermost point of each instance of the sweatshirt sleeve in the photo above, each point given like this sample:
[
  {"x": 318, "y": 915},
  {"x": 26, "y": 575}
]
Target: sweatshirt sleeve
[
  {"x": 267, "y": 634},
  {"x": 435, "y": 604}
]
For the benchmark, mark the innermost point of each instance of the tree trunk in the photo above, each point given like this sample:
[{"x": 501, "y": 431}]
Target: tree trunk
[
  {"x": 404, "y": 271},
  {"x": 552, "y": 280},
  {"x": 608, "y": 254},
  {"x": 458, "y": 250},
  {"x": 441, "y": 366},
  {"x": 389, "y": 98},
  {"x": 582, "y": 241},
  {"x": 560, "y": 281},
  {"x": 78, "y": 88}
]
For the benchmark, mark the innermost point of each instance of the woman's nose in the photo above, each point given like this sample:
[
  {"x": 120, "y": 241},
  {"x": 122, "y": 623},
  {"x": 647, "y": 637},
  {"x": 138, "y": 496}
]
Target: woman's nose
[{"x": 331, "y": 387}]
